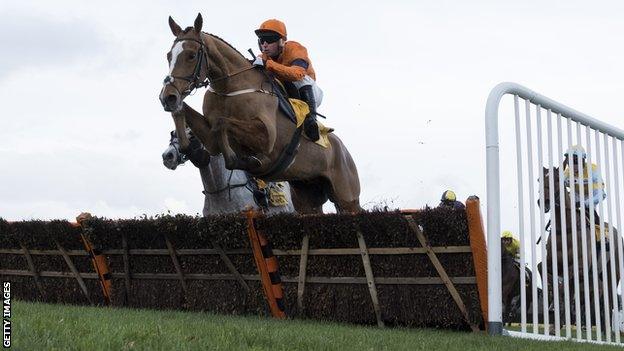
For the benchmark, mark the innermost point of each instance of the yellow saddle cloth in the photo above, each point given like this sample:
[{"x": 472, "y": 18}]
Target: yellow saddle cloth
[
  {"x": 276, "y": 192},
  {"x": 301, "y": 111}
]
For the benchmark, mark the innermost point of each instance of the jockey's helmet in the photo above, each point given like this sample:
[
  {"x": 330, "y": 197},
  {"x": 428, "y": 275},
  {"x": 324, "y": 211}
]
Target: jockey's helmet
[
  {"x": 507, "y": 234},
  {"x": 576, "y": 150},
  {"x": 448, "y": 195},
  {"x": 272, "y": 25}
]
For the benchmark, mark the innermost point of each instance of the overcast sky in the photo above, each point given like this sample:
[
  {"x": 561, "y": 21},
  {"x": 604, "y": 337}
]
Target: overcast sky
[{"x": 405, "y": 87}]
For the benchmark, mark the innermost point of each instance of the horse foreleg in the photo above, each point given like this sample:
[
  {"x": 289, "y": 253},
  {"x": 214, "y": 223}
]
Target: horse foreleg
[
  {"x": 232, "y": 160},
  {"x": 200, "y": 126},
  {"x": 179, "y": 120}
]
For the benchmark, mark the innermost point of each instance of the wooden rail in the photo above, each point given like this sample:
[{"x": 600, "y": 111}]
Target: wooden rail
[
  {"x": 251, "y": 277},
  {"x": 276, "y": 252}
]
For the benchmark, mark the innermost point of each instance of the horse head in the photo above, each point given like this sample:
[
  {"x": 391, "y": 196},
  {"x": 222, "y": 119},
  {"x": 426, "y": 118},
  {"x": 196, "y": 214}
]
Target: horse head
[
  {"x": 556, "y": 194},
  {"x": 174, "y": 155},
  {"x": 188, "y": 65}
]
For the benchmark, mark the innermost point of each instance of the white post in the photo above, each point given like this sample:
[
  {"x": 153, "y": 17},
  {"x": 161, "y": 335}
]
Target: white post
[{"x": 495, "y": 326}]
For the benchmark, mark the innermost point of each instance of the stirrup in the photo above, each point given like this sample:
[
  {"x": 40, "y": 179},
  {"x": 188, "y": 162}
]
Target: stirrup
[{"x": 311, "y": 129}]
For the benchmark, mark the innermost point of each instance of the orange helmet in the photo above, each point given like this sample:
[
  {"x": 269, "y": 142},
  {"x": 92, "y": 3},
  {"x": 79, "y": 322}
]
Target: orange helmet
[{"x": 272, "y": 25}]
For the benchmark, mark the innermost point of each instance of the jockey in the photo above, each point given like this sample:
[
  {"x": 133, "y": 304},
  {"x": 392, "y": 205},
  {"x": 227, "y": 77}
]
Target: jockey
[
  {"x": 449, "y": 200},
  {"x": 510, "y": 244},
  {"x": 577, "y": 154},
  {"x": 290, "y": 63}
]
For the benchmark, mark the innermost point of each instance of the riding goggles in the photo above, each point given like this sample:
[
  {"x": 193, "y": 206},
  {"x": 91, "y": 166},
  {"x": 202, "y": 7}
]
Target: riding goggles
[{"x": 268, "y": 38}]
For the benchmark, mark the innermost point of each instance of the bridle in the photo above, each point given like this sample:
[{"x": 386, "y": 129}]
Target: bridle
[{"x": 194, "y": 79}]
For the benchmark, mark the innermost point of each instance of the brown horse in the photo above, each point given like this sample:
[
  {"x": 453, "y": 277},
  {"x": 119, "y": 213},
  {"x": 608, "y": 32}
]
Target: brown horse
[
  {"x": 571, "y": 228},
  {"x": 510, "y": 281},
  {"x": 242, "y": 121}
]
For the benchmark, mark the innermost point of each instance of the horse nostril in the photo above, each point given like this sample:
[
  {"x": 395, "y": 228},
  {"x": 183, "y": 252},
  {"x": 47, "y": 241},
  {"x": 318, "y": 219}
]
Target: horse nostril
[{"x": 171, "y": 100}]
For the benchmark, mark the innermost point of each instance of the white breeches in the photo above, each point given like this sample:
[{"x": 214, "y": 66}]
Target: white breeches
[{"x": 307, "y": 80}]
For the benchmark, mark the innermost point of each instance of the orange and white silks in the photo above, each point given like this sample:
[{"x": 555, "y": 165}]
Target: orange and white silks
[{"x": 282, "y": 66}]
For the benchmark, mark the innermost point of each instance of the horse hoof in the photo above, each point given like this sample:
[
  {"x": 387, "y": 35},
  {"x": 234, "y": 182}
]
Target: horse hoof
[{"x": 253, "y": 162}]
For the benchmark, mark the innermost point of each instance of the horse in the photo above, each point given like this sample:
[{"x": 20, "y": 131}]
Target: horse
[
  {"x": 227, "y": 191},
  {"x": 510, "y": 279},
  {"x": 555, "y": 222},
  {"x": 242, "y": 121}
]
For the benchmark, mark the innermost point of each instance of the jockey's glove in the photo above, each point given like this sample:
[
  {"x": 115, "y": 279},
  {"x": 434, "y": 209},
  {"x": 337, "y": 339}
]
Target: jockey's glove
[{"x": 259, "y": 61}]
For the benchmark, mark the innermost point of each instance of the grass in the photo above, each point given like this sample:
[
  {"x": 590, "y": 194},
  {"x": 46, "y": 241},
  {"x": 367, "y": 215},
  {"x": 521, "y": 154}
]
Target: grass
[{"x": 61, "y": 327}]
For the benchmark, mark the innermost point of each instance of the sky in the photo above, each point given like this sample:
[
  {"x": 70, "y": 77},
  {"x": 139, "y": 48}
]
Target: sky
[{"x": 405, "y": 85}]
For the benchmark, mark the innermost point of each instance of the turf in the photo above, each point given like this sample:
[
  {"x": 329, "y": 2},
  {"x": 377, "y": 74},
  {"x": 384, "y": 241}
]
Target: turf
[{"x": 39, "y": 326}]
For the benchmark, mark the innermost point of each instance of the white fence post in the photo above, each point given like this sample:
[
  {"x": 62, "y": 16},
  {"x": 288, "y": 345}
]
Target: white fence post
[{"x": 495, "y": 320}]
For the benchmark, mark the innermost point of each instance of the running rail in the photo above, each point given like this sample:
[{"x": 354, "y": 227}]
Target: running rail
[{"x": 495, "y": 325}]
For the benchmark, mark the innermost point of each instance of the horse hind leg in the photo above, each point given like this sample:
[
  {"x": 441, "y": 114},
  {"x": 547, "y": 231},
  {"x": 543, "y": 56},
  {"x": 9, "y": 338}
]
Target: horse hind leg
[
  {"x": 346, "y": 206},
  {"x": 344, "y": 181},
  {"x": 308, "y": 197}
]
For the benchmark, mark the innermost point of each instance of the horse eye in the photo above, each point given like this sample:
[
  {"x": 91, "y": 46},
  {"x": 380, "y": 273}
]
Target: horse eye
[{"x": 192, "y": 56}]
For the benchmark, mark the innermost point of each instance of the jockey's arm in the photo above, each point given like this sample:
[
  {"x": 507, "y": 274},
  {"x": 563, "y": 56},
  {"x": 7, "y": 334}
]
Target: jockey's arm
[
  {"x": 598, "y": 194},
  {"x": 597, "y": 186},
  {"x": 291, "y": 73}
]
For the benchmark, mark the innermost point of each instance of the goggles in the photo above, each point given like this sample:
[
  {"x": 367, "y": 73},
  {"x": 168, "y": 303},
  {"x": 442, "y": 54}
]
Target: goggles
[{"x": 268, "y": 38}]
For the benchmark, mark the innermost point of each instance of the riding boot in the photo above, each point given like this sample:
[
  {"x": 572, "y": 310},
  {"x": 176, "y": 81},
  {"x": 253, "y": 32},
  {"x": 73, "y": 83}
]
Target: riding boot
[
  {"x": 260, "y": 195},
  {"x": 310, "y": 127}
]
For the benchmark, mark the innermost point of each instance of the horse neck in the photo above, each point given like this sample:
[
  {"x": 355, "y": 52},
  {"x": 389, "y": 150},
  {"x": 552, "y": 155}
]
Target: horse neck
[
  {"x": 506, "y": 258},
  {"x": 224, "y": 61}
]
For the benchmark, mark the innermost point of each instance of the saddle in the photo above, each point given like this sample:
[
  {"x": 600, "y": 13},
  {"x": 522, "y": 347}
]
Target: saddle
[
  {"x": 296, "y": 109},
  {"x": 295, "y": 112},
  {"x": 283, "y": 101}
]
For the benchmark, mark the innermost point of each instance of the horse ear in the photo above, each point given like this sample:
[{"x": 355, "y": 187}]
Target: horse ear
[
  {"x": 199, "y": 21},
  {"x": 175, "y": 28}
]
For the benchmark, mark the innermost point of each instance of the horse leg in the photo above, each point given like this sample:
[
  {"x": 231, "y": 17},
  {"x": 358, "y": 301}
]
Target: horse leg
[
  {"x": 232, "y": 161},
  {"x": 344, "y": 179},
  {"x": 308, "y": 197},
  {"x": 201, "y": 128},
  {"x": 179, "y": 120}
]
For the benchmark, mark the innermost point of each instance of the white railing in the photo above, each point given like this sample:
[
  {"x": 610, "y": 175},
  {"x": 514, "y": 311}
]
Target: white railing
[{"x": 582, "y": 314}]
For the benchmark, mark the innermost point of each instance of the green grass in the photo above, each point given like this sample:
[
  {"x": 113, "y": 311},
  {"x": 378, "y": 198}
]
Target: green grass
[{"x": 62, "y": 327}]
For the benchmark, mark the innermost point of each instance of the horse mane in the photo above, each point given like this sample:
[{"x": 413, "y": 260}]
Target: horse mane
[
  {"x": 226, "y": 43},
  {"x": 188, "y": 29}
]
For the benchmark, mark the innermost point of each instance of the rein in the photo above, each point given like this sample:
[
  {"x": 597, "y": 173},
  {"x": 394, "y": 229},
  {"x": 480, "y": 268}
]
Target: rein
[{"x": 227, "y": 187}]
